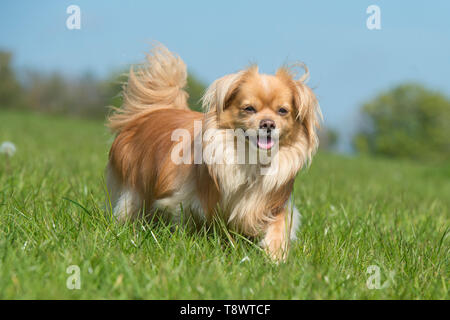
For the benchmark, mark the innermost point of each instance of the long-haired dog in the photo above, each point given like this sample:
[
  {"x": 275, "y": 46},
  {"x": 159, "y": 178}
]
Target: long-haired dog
[{"x": 144, "y": 175}]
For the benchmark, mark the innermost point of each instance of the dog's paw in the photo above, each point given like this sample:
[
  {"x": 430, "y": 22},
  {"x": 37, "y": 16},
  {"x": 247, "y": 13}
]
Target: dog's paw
[{"x": 276, "y": 249}]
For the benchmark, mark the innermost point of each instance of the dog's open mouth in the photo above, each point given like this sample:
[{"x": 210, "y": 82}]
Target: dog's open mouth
[
  {"x": 262, "y": 140},
  {"x": 265, "y": 142}
]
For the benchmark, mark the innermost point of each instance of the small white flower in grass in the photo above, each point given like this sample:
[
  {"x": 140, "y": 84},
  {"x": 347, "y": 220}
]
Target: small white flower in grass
[
  {"x": 8, "y": 148},
  {"x": 246, "y": 258}
]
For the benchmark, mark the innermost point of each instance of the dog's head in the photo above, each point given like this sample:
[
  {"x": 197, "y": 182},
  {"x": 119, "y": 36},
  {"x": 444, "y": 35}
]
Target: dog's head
[{"x": 266, "y": 104}]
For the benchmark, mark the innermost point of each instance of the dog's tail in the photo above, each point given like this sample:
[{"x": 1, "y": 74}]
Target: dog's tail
[{"x": 158, "y": 83}]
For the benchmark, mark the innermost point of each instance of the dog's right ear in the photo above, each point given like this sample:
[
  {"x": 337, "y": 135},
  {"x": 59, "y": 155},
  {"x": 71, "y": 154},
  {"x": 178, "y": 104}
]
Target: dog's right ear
[{"x": 221, "y": 92}]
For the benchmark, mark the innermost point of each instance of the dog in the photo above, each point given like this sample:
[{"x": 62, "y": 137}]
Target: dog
[{"x": 143, "y": 179}]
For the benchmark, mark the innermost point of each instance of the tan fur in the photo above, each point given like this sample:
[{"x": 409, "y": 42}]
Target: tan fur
[{"x": 140, "y": 170}]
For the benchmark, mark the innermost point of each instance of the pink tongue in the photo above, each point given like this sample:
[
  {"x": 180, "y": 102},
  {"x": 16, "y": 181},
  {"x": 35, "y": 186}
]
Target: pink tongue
[{"x": 265, "y": 143}]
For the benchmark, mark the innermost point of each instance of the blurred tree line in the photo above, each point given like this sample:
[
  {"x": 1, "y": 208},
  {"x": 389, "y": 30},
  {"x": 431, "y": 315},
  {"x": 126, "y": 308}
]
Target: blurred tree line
[
  {"x": 328, "y": 138},
  {"x": 408, "y": 121},
  {"x": 10, "y": 91},
  {"x": 84, "y": 96}
]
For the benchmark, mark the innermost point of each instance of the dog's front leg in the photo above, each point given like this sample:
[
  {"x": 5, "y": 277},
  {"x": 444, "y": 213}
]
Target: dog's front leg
[
  {"x": 281, "y": 232},
  {"x": 276, "y": 239}
]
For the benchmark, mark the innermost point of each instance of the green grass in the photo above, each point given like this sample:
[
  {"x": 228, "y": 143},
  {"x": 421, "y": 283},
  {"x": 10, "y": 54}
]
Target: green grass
[{"x": 357, "y": 212}]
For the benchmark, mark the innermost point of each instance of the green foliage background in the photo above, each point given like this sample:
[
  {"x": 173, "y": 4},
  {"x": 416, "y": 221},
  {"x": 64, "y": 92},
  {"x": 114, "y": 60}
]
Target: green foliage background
[
  {"x": 409, "y": 121},
  {"x": 9, "y": 86}
]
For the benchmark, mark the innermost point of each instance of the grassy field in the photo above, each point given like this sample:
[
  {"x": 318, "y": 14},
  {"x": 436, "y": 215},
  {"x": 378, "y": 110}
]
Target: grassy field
[{"x": 357, "y": 213}]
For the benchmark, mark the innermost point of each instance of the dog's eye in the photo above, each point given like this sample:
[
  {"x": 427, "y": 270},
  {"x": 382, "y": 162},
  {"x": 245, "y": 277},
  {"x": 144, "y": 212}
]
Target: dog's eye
[
  {"x": 250, "y": 109},
  {"x": 282, "y": 111}
]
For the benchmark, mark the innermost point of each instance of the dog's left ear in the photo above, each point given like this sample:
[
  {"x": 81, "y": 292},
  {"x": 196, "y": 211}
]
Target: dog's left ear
[{"x": 306, "y": 104}]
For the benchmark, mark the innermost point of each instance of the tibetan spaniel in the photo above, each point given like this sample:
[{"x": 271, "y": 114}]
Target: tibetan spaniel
[{"x": 237, "y": 160}]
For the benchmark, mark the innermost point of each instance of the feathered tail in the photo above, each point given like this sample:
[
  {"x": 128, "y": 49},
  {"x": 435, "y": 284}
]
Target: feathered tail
[{"x": 158, "y": 83}]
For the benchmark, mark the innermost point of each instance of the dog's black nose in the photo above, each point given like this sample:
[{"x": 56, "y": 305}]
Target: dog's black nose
[{"x": 267, "y": 124}]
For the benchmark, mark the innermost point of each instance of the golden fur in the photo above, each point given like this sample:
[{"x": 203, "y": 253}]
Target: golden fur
[{"x": 142, "y": 177}]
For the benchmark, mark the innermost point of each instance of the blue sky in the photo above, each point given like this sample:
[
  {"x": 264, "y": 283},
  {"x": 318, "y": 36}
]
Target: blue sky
[{"x": 348, "y": 63}]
